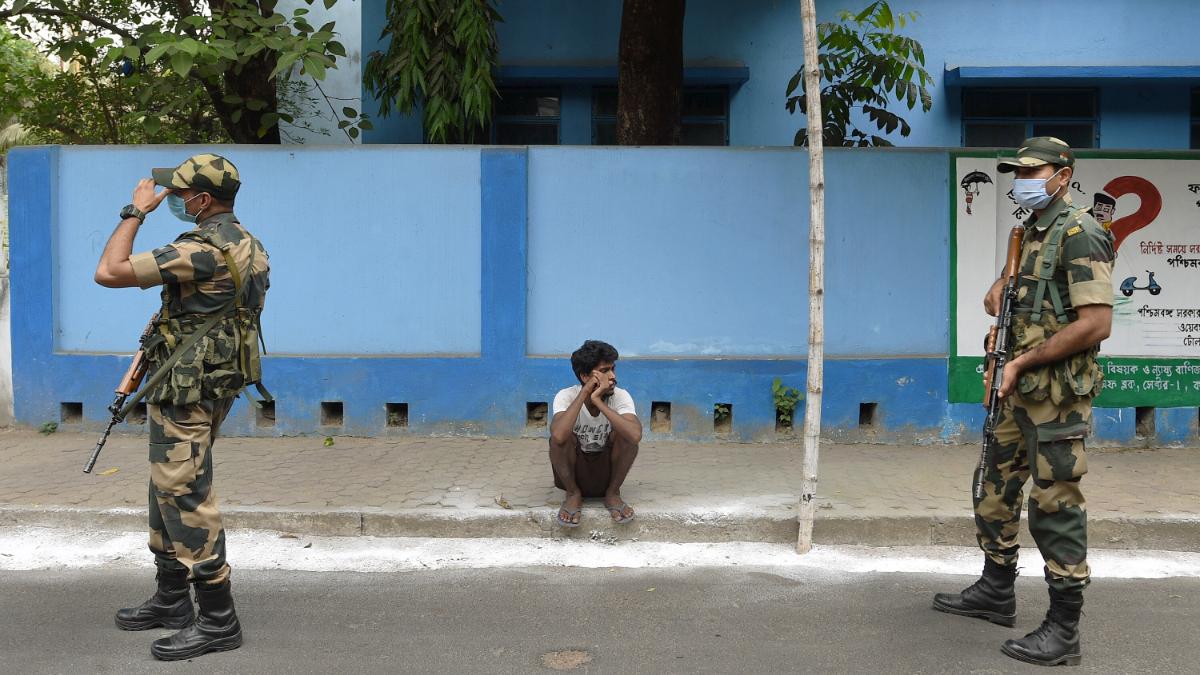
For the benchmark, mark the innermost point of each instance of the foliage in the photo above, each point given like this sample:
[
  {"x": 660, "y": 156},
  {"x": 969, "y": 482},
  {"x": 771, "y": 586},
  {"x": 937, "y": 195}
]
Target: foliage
[
  {"x": 170, "y": 70},
  {"x": 721, "y": 413},
  {"x": 786, "y": 400},
  {"x": 441, "y": 55},
  {"x": 866, "y": 66},
  {"x": 48, "y": 428}
]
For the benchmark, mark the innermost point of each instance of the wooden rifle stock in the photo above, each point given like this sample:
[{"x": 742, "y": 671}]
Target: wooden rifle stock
[
  {"x": 127, "y": 386},
  {"x": 996, "y": 348}
]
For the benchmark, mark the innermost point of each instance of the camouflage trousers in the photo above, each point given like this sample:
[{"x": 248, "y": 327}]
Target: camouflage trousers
[
  {"x": 1042, "y": 441},
  {"x": 185, "y": 525}
]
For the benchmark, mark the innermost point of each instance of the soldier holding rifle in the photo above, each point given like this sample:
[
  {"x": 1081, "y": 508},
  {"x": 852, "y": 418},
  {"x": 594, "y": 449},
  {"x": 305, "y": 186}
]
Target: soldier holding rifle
[
  {"x": 201, "y": 351},
  {"x": 1045, "y": 379}
]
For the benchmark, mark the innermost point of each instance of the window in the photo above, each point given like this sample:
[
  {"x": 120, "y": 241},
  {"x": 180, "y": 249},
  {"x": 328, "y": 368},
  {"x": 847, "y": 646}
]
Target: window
[
  {"x": 705, "y": 116},
  {"x": 1195, "y": 145},
  {"x": 526, "y": 117},
  {"x": 1005, "y": 117}
]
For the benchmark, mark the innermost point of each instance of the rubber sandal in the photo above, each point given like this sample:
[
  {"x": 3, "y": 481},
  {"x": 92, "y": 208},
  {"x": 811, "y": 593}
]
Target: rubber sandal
[
  {"x": 570, "y": 513},
  {"x": 619, "y": 510}
]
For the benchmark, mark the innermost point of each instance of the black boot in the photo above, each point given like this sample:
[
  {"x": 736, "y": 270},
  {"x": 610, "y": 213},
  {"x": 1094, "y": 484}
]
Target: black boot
[
  {"x": 216, "y": 628},
  {"x": 1056, "y": 641},
  {"x": 992, "y": 597},
  {"x": 169, "y": 607}
]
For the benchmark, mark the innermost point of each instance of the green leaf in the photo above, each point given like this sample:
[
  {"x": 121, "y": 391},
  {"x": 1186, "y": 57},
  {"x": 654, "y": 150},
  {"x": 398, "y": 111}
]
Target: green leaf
[
  {"x": 334, "y": 47},
  {"x": 189, "y": 46},
  {"x": 330, "y": 3},
  {"x": 366, "y": 124},
  {"x": 157, "y": 51},
  {"x": 353, "y": 132},
  {"x": 181, "y": 63},
  {"x": 152, "y": 125},
  {"x": 349, "y": 112}
]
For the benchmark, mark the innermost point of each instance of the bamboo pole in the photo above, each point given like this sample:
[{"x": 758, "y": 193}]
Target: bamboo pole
[{"x": 816, "y": 278}]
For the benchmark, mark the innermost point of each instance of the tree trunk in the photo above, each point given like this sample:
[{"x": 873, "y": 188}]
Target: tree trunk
[
  {"x": 816, "y": 279},
  {"x": 650, "y": 74}
]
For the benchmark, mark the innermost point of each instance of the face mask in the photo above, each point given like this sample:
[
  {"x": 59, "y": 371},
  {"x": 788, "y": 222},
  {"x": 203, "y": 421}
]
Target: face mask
[
  {"x": 179, "y": 207},
  {"x": 1031, "y": 193}
]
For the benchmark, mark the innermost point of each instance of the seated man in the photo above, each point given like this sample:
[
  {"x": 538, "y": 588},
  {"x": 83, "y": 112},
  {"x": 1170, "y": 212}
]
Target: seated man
[{"x": 594, "y": 435}]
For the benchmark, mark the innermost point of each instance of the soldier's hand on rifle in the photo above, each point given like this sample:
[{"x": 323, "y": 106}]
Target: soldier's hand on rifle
[
  {"x": 144, "y": 197},
  {"x": 1008, "y": 381},
  {"x": 991, "y": 301}
]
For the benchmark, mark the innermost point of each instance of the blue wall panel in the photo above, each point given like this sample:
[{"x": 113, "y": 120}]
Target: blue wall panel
[
  {"x": 669, "y": 251},
  {"x": 373, "y": 252}
]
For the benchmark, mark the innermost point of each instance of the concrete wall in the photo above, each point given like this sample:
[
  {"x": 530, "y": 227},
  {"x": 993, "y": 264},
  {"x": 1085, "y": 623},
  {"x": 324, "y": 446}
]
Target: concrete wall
[
  {"x": 765, "y": 36},
  {"x": 458, "y": 280}
]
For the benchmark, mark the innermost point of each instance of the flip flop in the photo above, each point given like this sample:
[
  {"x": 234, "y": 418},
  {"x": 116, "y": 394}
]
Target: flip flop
[
  {"x": 619, "y": 510},
  {"x": 570, "y": 513}
]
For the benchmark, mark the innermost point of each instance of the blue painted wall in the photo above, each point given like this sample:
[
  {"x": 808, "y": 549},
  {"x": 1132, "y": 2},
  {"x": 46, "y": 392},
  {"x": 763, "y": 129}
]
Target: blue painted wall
[
  {"x": 378, "y": 251},
  {"x": 765, "y": 36},
  {"x": 457, "y": 281}
]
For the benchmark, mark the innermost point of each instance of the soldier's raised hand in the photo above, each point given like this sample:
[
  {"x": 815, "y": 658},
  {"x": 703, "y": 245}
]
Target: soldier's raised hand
[{"x": 144, "y": 197}]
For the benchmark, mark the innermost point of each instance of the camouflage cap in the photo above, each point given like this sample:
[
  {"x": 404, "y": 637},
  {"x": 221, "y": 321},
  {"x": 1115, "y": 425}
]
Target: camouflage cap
[
  {"x": 205, "y": 172},
  {"x": 1037, "y": 151}
]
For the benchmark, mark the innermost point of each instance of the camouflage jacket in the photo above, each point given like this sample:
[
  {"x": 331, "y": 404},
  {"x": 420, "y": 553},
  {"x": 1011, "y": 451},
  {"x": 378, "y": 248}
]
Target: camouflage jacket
[
  {"x": 1082, "y": 275},
  {"x": 197, "y": 281}
]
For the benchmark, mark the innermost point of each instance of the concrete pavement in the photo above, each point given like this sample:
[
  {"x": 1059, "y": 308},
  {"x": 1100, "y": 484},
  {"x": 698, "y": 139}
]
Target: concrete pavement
[{"x": 877, "y": 495}]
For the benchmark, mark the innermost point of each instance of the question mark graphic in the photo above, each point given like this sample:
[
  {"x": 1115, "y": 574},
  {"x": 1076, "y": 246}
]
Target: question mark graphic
[{"x": 1148, "y": 209}]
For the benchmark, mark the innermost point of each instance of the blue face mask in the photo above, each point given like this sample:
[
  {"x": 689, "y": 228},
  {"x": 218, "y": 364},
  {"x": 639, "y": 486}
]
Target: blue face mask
[
  {"x": 179, "y": 207},
  {"x": 1031, "y": 193}
]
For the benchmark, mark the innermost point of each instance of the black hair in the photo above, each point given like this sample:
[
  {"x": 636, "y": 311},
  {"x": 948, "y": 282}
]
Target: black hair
[
  {"x": 591, "y": 354},
  {"x": 1103, "y": 198}
]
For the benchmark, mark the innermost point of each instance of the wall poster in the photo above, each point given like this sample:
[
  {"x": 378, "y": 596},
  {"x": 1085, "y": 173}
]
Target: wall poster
[{"x": 1151, "y": 203}]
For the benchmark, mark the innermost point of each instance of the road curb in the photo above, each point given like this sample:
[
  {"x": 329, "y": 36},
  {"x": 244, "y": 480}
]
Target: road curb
[{"x": 1172, "y": 532}]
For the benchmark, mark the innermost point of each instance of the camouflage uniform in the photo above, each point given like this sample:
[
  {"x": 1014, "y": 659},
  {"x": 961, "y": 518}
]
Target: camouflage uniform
[
  {"x": 1043, "y": 424},
  {"x": 200, "y": 273}
]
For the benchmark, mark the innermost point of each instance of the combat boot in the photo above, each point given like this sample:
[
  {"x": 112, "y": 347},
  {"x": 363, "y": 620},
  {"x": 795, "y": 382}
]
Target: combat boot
[
  {"x": 992, "y": 597},
  {"x": 1056, "y": 641},
  {"x": 169, "y": 607},
  {"x": 216, "y": 628}
]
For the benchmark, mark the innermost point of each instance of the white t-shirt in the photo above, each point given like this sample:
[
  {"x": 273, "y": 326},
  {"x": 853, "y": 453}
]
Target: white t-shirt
[{"x": 593, "y": 432}]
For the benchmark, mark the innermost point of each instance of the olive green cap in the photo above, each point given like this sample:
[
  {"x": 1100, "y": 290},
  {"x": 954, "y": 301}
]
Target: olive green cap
[
  {"x": 1037, "y": 151},
  {"x": 204, "y": 172}
]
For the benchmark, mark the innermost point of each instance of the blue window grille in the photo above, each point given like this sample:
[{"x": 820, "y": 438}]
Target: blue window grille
[
  {"x": 705, "y": 116},
  {"x": 527, "y": 116},
  {"x": 994, "y": 117},
  {"x": 1195, "y": 144}
]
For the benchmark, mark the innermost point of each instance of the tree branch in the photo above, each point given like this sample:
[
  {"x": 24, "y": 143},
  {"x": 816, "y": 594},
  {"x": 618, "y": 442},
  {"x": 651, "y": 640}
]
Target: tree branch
[{"x": 90, "y": 18}]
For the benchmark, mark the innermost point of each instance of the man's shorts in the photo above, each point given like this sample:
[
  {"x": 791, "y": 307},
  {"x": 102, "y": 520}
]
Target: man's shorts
[{"x": 593, "y": 470}]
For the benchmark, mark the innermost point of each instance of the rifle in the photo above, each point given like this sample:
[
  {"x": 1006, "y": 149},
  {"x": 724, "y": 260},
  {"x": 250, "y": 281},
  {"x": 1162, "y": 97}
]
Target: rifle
[
  {"x": 128, "y": 385},
  {"x": 996, "y": 348}
]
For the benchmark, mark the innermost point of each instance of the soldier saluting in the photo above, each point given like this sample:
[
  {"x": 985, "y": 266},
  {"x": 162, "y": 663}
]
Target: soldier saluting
[
  {"x": 214, "y": 280},
  {"x": 1063, "y": 309}
]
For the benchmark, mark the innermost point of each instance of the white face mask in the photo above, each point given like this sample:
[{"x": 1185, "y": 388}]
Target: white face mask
[{"x": 1031, "y": 193}]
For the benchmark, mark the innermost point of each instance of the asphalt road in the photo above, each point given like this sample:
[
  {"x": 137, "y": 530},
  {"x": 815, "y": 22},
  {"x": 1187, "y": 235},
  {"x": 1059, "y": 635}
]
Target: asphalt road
[{"x": 696, "y": 620}]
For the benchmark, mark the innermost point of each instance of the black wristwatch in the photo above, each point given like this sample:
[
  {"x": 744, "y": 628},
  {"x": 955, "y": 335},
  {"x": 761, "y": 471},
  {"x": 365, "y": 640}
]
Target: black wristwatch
[{"x": 131, "y": 211}]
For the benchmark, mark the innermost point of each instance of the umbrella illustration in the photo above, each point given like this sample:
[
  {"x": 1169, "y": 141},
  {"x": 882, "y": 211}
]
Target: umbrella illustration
[{"x": 971, "y": 185}]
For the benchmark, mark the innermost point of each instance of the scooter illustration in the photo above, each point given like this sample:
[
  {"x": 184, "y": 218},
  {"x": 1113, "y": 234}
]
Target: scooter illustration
[{"x": 1128, "y": 287}]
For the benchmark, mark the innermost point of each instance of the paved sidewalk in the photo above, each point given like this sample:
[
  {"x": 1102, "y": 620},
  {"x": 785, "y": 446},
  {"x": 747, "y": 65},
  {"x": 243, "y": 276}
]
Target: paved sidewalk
[{"x": 480, "y": 487}]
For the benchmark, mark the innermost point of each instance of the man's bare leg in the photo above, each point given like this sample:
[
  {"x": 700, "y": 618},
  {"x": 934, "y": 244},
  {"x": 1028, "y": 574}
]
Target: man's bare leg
[
  {"x": 562, "y": 459},
  {"x": 623, "y": 454}
]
